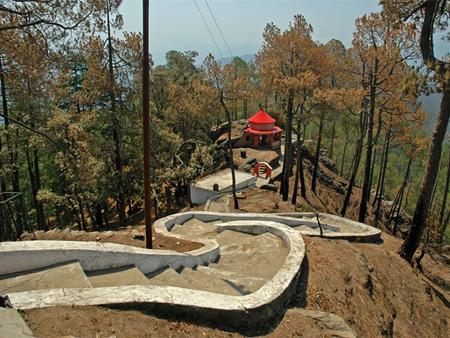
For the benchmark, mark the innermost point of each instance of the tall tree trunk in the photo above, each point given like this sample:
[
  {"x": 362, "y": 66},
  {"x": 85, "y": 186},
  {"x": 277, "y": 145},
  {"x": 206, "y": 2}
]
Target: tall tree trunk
[
  {"x": 230, "y": 154},
  {"x": 302, "y": 176},
  {"x": 287, "y": 159},
  {"x": 400, "y": 193},
  {"x": 445, "y": 224},
  {"x": 317, "y": 157},
  {"x": 120, "y": 198},
  {"x": 297, "y": 175},
  {"x": 398, "y": 202},
  {"x": 357, "y": 160},
  {"x": 40, "y": 219},
  {"x": 418, "y": 225},
  {"x": 333, "y": 134},
  {"x": 374, "y": 158},
  {"x": 408, "y": 189},
  {"x": 343, "y": 154},
  {"x": 368, "y": 166},
  {"x": 40, "y": 206},
  {"x": 397, "y": 213},
  {"x": 299, "y": 168},
  {"x": 430, "y": 9},
  {"x": 98, "y": 216},
  {"x": 442, "y": 226},
  {"x": 384, "y": 162},
  {"x": 436, "y": 184},
  {"x": 82, "y": 225},
  {"x": 350, "y": 170},
  {"x": 372, "y": 170},
  {"x": 245, "y": 107},
  {"x": 380, "y": 173},
  {"x": 396, "y": 206}
]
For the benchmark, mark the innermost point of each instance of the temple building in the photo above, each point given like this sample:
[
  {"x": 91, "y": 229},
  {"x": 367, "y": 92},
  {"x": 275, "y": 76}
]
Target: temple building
[{"x": 262, "y": 132}]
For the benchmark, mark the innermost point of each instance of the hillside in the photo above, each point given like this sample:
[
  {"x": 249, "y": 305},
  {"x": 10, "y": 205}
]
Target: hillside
[
  {"x": 115, "y": 119},
  {"x": 328, "y": 198},
  {"x": 368, "y": 285}
]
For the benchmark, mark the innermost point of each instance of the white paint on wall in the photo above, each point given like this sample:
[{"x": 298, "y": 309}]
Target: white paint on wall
[{"x": 203, "y": 189}]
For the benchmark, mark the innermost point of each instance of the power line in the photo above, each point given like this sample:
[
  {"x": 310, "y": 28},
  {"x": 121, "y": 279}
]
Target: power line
[
  {"x": 218, "y": 28},
  {"x": 207, "y": 28}
]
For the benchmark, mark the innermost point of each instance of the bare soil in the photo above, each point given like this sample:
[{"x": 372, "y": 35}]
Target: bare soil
[
  {"x": 375, "y": 291},
  {"x": 106, "y": 322},
  {"x": 329, "y": 198},
  {"x": 265, "y": 155},
  {"x": 120, "y": 236},
  {"x": 326, "y": 199}
]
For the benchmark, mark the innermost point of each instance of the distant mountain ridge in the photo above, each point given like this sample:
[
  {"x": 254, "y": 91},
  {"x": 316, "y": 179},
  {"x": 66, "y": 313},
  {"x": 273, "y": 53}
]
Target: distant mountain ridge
[{"x": 245, "y": 57}]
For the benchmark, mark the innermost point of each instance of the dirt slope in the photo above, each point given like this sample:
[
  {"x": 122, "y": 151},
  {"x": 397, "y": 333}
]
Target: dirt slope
[
  {"x": 373, "y": 289},
  {"x": 328, "y": 198},
  {"x": 123, "y": 236},
  {"x": 368, "y": 285}
]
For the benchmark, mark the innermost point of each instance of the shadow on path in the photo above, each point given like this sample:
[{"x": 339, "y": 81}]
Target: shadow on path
[{"x": 216, "y": 320}]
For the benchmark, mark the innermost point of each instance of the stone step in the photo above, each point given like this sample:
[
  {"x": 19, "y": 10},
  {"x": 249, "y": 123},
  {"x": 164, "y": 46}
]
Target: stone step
[
  {"x": 66, "y": 275},
  {"x": 126, "y": 275},
  {"x": 246, "y": 243},
  {"x": 195, "y": 228},
  {"x": 261, "y": 256},
  {"x": 245, "y": 284},
  {"x": 230, "y": 237},
  {"x": 167, "y": 277},
  {"x": 12, "y": 325},
  {"x": 219, "y": 205},
  {"x": 207, "y": 281},
  {"x": 201, "y": 278}
]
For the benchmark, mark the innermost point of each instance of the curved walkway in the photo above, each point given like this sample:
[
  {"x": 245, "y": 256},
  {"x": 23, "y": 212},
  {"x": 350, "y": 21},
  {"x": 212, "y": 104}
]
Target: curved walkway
[{"x": 251, "y": 297}]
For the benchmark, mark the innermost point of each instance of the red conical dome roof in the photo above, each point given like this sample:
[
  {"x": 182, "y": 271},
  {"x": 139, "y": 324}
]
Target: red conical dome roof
[{"x": 261, "y": 117}]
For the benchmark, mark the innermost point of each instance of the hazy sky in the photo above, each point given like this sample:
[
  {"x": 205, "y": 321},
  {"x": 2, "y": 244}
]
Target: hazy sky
[{"x": 177, "y": 24}]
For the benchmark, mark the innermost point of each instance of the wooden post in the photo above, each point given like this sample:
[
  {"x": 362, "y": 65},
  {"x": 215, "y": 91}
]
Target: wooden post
[
  {"x": 146, "y": 127},
  {"x": 320, "y": 225}
]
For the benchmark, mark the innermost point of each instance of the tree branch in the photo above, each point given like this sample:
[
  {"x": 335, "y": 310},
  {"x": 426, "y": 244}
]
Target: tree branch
[
  {"x": 29, "y": 128},
  {"x": 41, "y": 21}
]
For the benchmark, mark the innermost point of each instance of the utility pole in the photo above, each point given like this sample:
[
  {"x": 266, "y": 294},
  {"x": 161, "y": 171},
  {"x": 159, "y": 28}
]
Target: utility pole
[{"x": 146, "y": 126}]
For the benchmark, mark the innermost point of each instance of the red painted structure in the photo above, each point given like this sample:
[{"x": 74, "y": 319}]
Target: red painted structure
[
  {"x": 262, "y": 131},
  {"x": 262, "y": 169}
]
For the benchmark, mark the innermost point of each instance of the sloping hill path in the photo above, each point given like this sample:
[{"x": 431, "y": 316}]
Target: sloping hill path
[{"x": 396, "y": 303}]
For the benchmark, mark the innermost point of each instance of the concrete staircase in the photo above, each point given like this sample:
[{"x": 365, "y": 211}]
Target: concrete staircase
[
  {"x": 127, "y": 275},
  {"x": 67, "y": 275},
  {"x": 256, "y": 257},
  {"x": 245, "y": 264},
  {"x": 195, "y": 228}
]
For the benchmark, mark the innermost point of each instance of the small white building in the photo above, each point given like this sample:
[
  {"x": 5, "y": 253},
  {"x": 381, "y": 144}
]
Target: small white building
[{"x": 219, "y": 183}]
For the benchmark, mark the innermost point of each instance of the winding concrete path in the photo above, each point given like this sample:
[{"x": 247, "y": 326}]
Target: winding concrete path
[{"x": 245, "y": 272}]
